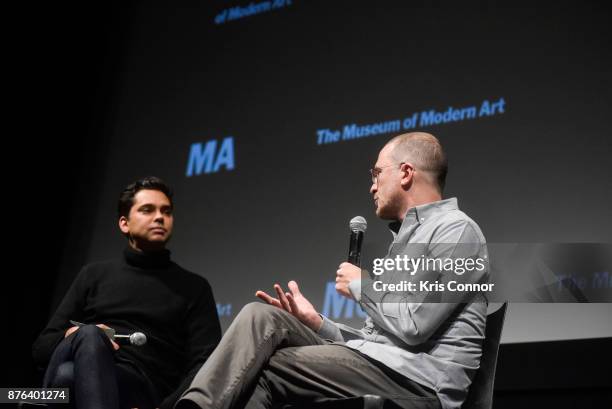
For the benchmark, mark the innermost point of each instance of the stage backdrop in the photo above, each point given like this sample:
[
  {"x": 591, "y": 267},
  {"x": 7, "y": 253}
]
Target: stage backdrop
[{"x": 265, "y": 117}]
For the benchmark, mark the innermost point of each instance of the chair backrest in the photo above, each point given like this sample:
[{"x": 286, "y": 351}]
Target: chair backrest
[{"x": 480, "y": 395}]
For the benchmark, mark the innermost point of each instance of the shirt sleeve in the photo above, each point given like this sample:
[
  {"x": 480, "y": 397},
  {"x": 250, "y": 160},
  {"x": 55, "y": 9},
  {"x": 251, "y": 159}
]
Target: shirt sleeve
[
  {"x": 407, "y": 315},
  {"x": 329, "y": 330},
  {"x": 71, "y": 308},
  {"x": 338, "y": 332},
  {"x": 204, "y": 332}
]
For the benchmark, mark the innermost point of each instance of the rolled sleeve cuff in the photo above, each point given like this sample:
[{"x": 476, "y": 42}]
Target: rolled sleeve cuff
[
  {"x": 329, "y": 330},
  {"x": 355, "y": 289}
]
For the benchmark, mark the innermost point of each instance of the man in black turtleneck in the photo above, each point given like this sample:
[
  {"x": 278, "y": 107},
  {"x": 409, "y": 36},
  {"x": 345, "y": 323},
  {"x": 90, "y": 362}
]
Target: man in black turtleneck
[{"x": 142, "y": 291}]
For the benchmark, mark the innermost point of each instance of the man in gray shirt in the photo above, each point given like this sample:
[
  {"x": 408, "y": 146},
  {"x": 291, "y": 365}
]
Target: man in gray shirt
[{"x": 417, "y": 348}]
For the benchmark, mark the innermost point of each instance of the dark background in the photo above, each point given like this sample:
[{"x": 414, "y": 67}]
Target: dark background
[{"x": 123, "y": 91}]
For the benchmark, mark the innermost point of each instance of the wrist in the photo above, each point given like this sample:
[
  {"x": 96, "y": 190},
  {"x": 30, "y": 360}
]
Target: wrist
[{"x": 315, "y": 322}]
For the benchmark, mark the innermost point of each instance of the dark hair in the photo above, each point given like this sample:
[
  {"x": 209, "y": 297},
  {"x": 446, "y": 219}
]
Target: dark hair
[{"x": 126, "y": 198}]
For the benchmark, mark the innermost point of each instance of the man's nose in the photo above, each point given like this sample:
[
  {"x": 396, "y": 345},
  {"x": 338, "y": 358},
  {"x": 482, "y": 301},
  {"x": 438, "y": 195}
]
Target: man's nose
[
  {"x": 373, "y": 188},
  {"x": 159, "y": 217}
]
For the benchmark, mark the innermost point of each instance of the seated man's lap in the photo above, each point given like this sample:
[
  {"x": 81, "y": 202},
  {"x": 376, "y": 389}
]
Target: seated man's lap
[
  {"x": 335, "y": 371},
  {"x": 133, "y": 387}
]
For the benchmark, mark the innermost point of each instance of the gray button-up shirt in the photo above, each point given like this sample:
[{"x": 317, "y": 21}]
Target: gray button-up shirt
[{"x": 434, "y": 344}]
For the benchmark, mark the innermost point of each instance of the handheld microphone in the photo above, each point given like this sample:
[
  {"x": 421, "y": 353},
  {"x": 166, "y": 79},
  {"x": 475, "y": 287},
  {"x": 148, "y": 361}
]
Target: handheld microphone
[
  {"x": 358, "y": 226},
  {"x": 137, "y": 339}
]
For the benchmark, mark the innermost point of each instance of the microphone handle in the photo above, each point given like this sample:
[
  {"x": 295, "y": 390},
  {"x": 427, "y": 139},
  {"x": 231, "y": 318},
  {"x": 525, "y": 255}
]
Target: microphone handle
[
  {"x": 354, "y": 255},
  {"x": 122, "y": 339}
]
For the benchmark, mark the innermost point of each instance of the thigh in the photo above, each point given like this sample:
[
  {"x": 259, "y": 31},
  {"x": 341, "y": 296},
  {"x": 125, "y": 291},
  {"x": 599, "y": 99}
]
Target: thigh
[{"x": 319, "y": 372}]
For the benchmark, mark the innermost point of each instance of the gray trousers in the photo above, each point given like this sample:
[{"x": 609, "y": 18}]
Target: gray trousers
[{"x": 268, "y": 358}]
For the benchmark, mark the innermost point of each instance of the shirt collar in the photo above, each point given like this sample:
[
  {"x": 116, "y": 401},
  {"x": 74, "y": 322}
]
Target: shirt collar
[{"x": 421, "y": 214}]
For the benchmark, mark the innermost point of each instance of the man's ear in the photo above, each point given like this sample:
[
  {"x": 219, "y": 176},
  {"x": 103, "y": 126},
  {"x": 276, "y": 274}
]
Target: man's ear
[
  {"x": 407, "y": 170},
  {"x": 124, "y": 225}
]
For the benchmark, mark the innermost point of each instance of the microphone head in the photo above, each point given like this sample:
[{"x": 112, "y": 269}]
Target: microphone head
[
  {"x": 138, "y": 339},
  {"x": 358, "y": 223}
]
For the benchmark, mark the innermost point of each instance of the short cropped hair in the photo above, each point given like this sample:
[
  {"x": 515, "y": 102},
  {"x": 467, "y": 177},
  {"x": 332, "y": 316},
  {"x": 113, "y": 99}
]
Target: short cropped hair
[
  {"x": 126, "y": 198},
  {"x": 425, "y": 152}
]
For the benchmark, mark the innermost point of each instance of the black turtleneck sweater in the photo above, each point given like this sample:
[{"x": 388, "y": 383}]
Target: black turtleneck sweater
[{"x": 144, "y": 292}]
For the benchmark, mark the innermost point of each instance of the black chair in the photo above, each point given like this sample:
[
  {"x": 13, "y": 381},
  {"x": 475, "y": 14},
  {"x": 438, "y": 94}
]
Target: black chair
[{"x": 480, "y": 395}]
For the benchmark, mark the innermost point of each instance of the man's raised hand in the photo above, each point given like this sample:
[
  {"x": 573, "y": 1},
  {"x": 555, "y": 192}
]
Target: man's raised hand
[{"x": 294, "y": 303}]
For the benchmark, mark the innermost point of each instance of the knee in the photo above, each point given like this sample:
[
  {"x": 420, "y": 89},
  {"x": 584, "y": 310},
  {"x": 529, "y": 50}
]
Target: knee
[
  {"x": 63, "y": 376},
  {"x": 256, "y": 311},
  {"x": 90, "y": 336},
  {"x": 89, "y": 331}
]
